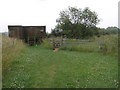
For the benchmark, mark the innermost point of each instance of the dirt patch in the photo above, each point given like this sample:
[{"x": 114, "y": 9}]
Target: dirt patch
[{"x": 56, "y": 49}]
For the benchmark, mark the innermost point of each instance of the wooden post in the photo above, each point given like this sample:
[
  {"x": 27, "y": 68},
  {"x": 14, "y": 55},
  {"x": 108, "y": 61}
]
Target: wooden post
[
  {"x": 34, "y": 40},
  {"x": 28, "y": 40},
  {"x": 64, "y": 42}
]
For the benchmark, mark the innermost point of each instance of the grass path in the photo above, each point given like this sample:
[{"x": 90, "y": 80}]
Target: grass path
[{"x": 39, "y": 67}]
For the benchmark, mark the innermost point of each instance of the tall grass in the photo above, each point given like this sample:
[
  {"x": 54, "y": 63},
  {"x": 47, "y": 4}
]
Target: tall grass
[
  {"x": 11, "y": 49},
  {"x": 47, "y": 43},
  {"x": 110, "y": 44}
]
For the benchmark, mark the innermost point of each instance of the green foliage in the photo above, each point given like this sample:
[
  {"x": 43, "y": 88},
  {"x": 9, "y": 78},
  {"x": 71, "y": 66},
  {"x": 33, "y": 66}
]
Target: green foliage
[
  {"x": 76, "y": 23},
  {"x": 112, "y": 28},
  {"x": 39, "y": 67},
  {"x": 108, "y": 31}
]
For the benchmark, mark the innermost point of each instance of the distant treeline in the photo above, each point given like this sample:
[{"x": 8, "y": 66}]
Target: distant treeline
[
  {"x": 109, "y": 31},
  {"x": 96, "y": 32}
]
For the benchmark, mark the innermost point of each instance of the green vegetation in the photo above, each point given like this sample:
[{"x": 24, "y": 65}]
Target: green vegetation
[
  {"x": 39, "y": 67},
  {"x": 47, "y": 43},
  {"x": 73, "y": 66},
  {"x": 80, "y": 24},
  {"x": 11, "y": 49},
  {"x": 82, "y": 47},
  {"x": 76, "y": 23},
  {"x": 110, "y": 44},
  {"x": 106, "y": 44},
  {"x": 108, "y": 31}
]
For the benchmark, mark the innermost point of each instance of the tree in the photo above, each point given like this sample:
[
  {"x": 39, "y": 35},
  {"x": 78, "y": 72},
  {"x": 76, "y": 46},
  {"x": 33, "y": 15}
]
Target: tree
[
  {"x": 112, "y": 28},
  {"x": 89, "y": 18},
  {"x": 56, "y": 31},
  {"x": 77, "y": 23}
]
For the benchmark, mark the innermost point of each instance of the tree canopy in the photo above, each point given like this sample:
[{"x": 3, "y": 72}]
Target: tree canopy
[{"x": 76, "y": 23}]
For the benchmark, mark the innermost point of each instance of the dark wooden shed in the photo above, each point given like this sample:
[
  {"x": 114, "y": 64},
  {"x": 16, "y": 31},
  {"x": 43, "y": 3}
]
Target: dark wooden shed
[{"x": 29, "y": 34}]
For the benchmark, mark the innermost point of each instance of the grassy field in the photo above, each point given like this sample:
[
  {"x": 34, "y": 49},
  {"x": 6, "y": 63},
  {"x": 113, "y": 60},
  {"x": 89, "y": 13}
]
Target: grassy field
[{"x": 40, "y": 67}]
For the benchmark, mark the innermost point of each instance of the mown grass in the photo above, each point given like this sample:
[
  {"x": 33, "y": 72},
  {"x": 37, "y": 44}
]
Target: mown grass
[
  {"x": 40, "y": 67},
  {"x": 11, "y": 49}
]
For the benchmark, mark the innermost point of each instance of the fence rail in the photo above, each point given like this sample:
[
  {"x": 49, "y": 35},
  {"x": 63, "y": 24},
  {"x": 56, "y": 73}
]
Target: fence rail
[{"x": 77, "y": 42}]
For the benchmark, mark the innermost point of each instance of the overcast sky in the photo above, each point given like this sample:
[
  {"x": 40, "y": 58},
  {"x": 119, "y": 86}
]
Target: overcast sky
[{"x": 45, "y": 12}]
